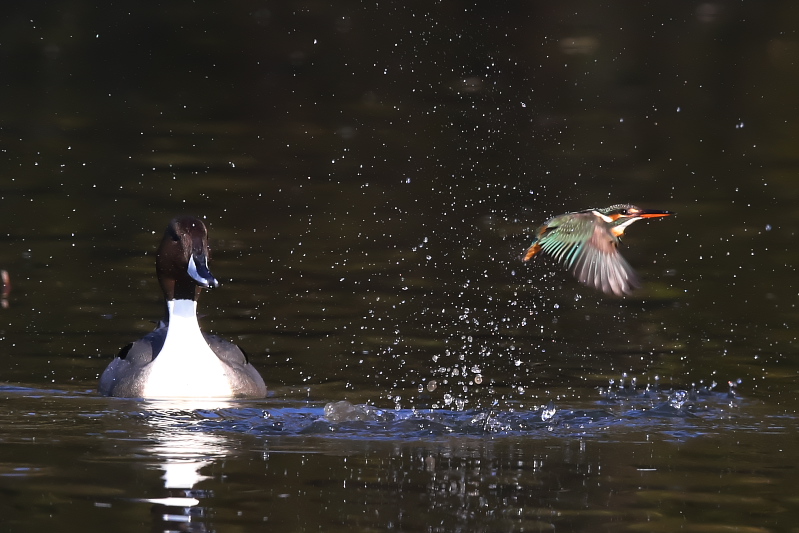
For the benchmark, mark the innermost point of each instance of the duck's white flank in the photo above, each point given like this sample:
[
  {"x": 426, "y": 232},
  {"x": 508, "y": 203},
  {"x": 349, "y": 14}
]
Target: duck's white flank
[{"x": 186, "y": 367}]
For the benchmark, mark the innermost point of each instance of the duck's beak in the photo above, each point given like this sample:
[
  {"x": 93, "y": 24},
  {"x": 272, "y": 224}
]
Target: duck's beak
[{"x": 199, "y": 272}]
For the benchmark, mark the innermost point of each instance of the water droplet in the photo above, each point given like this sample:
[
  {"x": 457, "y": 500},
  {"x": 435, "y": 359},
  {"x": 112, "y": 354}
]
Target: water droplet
[
  {"x": 678, "y": 399},
  {"x": 548, "y": 411}
]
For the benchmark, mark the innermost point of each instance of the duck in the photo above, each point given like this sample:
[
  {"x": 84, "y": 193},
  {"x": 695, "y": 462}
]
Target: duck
[{"x": 178, "y": 360}]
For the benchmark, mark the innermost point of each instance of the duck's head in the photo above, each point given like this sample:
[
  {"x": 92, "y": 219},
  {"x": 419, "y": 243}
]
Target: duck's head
[{"x": 182, "y": 260}]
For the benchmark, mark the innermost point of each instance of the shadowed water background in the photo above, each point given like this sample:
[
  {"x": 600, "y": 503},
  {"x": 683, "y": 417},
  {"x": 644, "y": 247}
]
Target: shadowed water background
[{"x": 370, "y": 174}]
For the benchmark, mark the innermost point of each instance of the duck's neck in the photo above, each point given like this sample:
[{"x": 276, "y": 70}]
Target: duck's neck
[{"x": 184, "y": 312}]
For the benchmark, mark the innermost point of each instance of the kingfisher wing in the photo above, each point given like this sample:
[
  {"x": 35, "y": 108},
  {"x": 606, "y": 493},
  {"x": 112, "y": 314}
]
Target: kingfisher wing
[
  {"x": 565, "y": 239},
  {"x": 590, "y": 252},
  {"x": 557, "y": 236}
]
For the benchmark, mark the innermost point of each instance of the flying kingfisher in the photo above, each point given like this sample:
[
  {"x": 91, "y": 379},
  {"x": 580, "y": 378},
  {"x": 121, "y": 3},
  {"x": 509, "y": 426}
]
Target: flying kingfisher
[{"x": 586, "y": 243}]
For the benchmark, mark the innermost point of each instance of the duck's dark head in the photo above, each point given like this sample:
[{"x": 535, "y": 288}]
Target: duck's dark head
[{"x": 182, "y": 260}]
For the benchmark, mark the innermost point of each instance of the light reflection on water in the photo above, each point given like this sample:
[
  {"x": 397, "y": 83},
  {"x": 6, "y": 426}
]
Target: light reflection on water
[{"x": 182, "y": 450}]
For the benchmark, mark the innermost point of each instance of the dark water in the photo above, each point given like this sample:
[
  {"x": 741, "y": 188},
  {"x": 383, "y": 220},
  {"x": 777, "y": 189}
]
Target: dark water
[{"x": 370, "y": 174}]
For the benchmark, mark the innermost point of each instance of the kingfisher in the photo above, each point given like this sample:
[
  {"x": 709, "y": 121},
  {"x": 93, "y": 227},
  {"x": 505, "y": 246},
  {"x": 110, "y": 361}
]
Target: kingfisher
[{"x": 586, "y": 243}]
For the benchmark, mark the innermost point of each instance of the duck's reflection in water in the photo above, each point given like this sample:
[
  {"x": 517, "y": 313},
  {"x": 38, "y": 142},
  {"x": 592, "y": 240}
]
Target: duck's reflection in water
[{"x": 182, "y": 449}]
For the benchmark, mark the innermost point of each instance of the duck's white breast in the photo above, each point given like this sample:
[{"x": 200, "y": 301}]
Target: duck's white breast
[{"x": 186, "y": 367}]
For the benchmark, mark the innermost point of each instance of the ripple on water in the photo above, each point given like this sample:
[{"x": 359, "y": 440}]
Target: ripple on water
[
  {"x": 678, "y": 414},
  {"x": 652, "y": 411}
]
